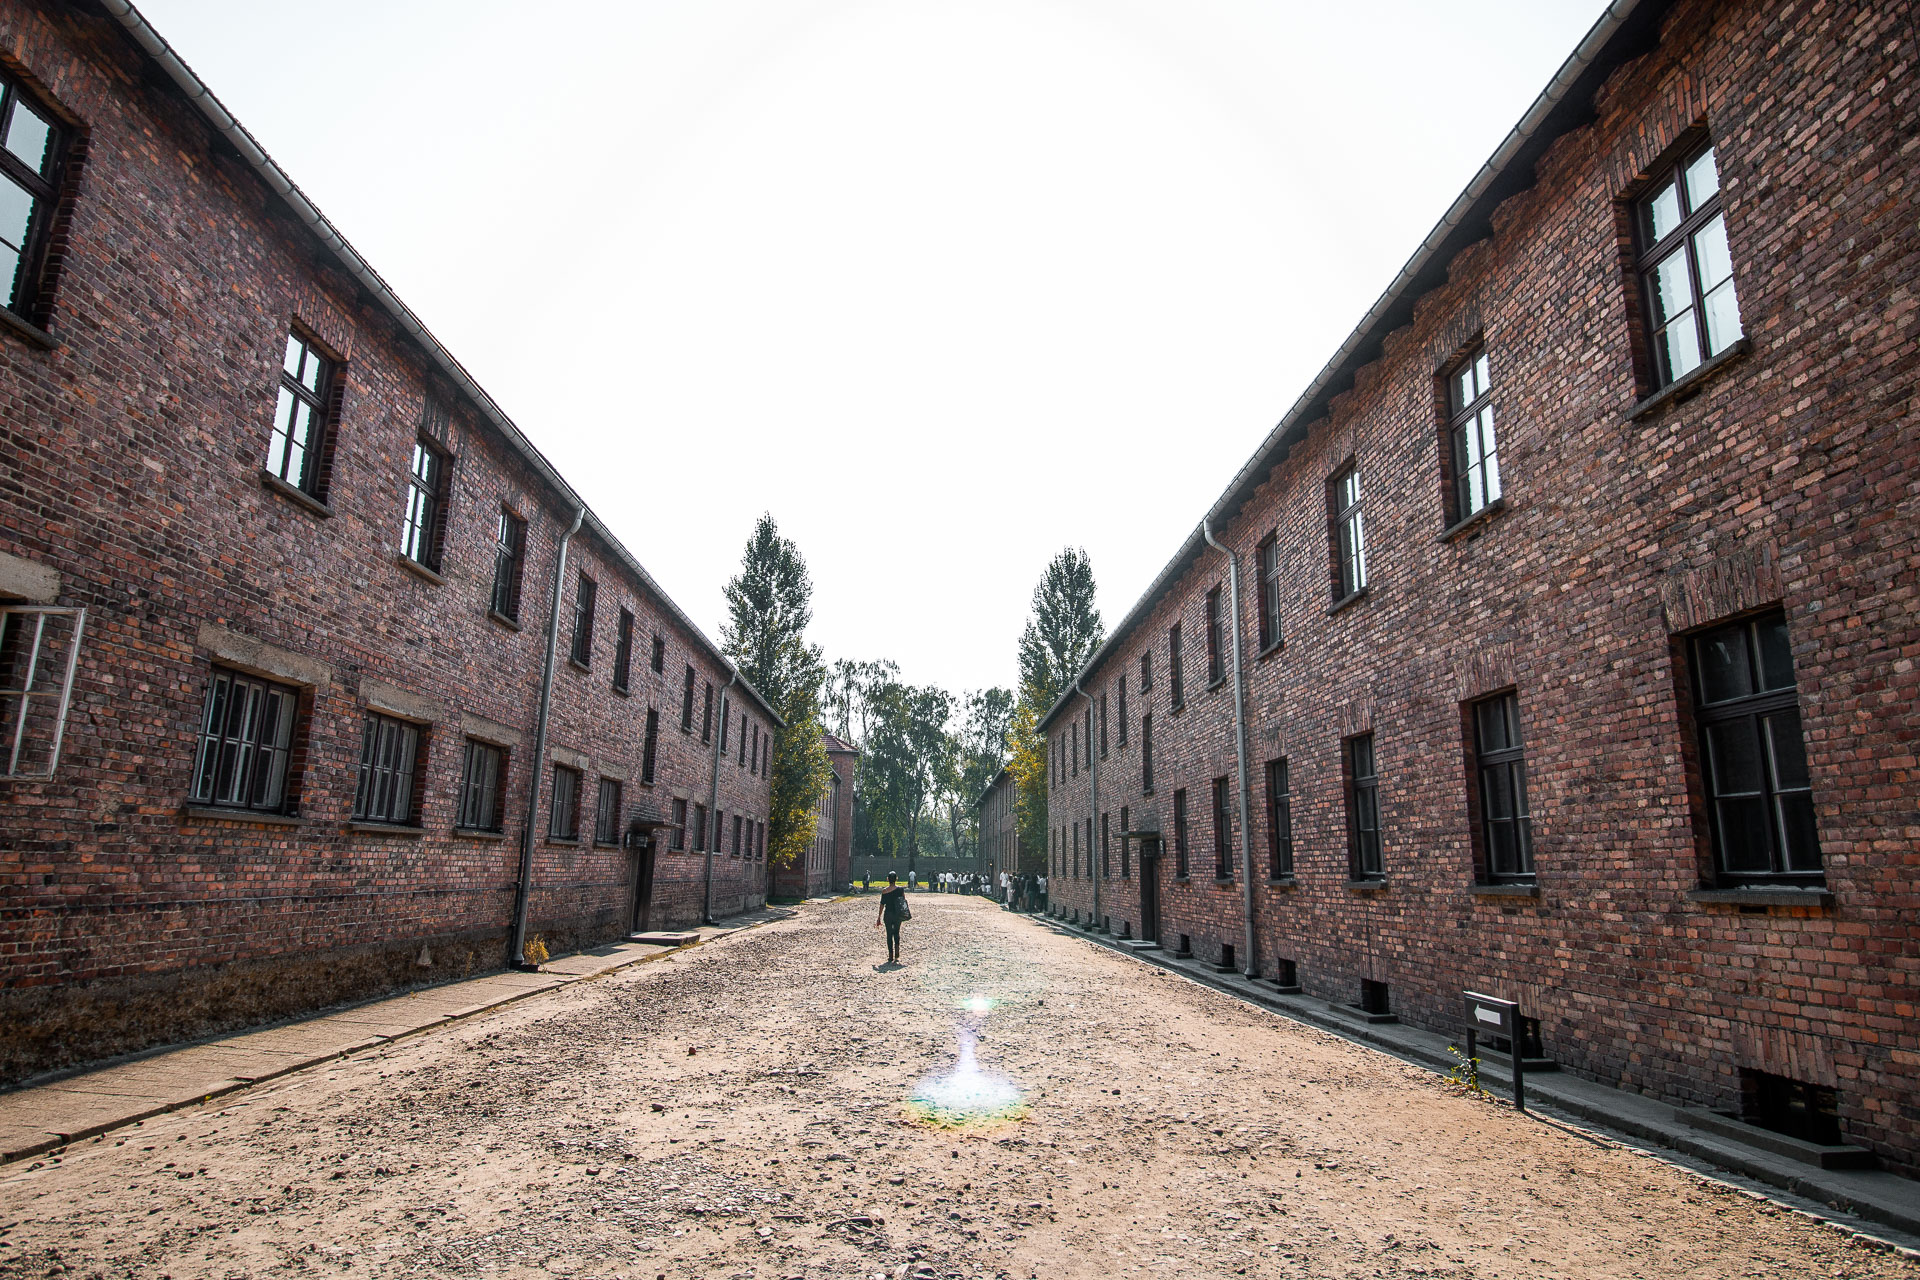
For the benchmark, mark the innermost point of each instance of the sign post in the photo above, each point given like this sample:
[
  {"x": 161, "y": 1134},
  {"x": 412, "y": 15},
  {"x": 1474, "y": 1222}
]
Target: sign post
[{"x": 1501, "y": 1017}]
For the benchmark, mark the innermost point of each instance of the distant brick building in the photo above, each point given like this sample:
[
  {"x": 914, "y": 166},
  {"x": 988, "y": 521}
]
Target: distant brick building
[
  {"x": 1000, "y": 845},
  {"x": 828, "y": 862},
  {"x": 276, "y": 580},
  {"x": 1573, "y": 605}
]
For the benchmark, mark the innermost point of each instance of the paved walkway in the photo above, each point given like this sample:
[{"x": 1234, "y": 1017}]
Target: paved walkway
[
  {"x": 1874, "y": 1195},
  {"x": 42, "y": 1116}
]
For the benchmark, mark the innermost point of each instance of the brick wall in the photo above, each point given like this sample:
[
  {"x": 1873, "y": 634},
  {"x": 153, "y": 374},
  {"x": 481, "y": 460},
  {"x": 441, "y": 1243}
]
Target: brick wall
[
  {"x": 1791, "y": 479},
  {"x": 135, "y": 450}
]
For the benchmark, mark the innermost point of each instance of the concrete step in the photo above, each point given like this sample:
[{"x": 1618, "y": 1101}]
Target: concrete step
[{"x": 1843, "y": 1156}]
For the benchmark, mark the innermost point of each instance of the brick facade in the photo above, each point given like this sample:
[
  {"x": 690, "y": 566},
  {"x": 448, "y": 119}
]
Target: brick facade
[
  {"x": 135, "y": 441},
  {"x": 1785, "y": 478},
  {"x": 1000, "y": 830},
  {"x": 828, "y": 862}
]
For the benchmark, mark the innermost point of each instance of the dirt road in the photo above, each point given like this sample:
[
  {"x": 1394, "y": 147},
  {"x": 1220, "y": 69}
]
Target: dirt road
[{"x": 744, "y": 1110}]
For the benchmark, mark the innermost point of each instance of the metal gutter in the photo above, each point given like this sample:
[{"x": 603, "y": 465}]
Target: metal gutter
[
  {"x": 277, "y": 180},
  {"x": 1626, "y": 30}
]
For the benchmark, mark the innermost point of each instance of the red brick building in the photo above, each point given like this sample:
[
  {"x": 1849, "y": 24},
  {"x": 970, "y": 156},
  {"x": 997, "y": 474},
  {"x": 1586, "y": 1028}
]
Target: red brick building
[
  {"x": 828, "y": 862},
  {"x": 1000, "y": 845},
  {"x": 1572, "y": 608},
  {"x": 281, "y": 588}
]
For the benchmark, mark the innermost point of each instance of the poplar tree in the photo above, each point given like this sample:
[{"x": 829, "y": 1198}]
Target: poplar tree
[
  {"x": 769, "y": 606},
  {"x": 1061, "y": 633}
]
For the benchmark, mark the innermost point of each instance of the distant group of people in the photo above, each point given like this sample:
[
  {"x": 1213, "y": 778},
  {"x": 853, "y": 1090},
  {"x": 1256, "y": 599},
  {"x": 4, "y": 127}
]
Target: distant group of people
[
  {"x": 959, "y": 882},
  {"x": 1016, "y": 892},
  {"x": 1023, "y": 892}
]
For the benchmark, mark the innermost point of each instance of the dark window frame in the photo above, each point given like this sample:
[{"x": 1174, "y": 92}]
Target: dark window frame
[
  {"x": 563, "y": 804},
  {"x": 1279, "y": 819},
  {"x": 1176, "y": 670},
  {"x": 1222, "y": 829},
  {"x": 1146, "y": 671},
  {"x": 586, "y": 600},
  {"x": 1652, "y": 252},
  {"x": 483, "y": 785},
  {"x": 1504, "y": 839},
  {"x": 606, "y": 818},
  {"x": 1366, "y": 858},
  {"x": 1216, "y": 642},
  {"x": 250, "y": 762},
  {"x": 423, "y": 523},
  {"x": 686, "y": 701},
  {"x": 1146, "y": 753},
  {"x": 29, "y": 288},
  {"x": 509, "y": 564},
  {"x": 1122, "y": 710},
  {"x": 392, "y": 755},
  {"x": 1180, "y": 833},
  {"x": 679, "y": 811},
  {"x": 706, "y": 712},
  {"x": 310, "y": 381},
  {"x": 623, "y": 651},
  {"x": 1470, "y": 423},
  {"x": 1347, "y": 529},
  {"x": 1267, "y": 565},
  {"x": 659, "y": 656},
  {"x": 650, "y": 750}
]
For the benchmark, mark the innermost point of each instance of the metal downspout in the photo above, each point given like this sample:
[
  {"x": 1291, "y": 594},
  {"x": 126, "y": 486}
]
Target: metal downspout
[
  {"x": 523, "y": 893},
  {"x": 1093, "y": 785},
  {"x": 1252, "y": 967},
  {"x": 713, "y": 798}
]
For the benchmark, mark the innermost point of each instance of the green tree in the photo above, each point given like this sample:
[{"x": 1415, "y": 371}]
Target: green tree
[
  {"x": 906, "y": 754},
  {"x": 769, "y": 606},
  {"x": 1062, "y": 632},
  {"x": 978, "y": 753}
]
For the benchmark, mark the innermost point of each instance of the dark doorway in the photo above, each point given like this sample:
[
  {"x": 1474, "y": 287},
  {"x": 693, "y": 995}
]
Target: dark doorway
[
  {"x": 643, "y": 887},
  {"x": 1150, "y": 890}
]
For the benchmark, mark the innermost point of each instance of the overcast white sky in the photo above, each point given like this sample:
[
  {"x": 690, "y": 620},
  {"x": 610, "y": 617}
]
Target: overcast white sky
[{"x": 945, "y": 285}]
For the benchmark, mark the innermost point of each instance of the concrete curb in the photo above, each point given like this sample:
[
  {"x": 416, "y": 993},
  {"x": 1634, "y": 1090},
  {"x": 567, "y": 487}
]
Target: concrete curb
[
  {"x": 1631, "y": 1119},
  {"x": 66, "y": 1096}
]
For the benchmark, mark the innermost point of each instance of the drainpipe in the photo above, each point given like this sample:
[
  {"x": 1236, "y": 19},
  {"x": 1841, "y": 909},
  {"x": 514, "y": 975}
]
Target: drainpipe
[
  {"x": 713, "y": 798},
  {"x": 523, "y": 893},
  {"x": 1093, "y": 785},
  {"x": 1251, "y": 968}
]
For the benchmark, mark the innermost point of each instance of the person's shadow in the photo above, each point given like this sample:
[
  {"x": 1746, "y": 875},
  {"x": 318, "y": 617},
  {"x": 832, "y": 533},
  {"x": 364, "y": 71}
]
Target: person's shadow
[{"x": 888, "y": 967}]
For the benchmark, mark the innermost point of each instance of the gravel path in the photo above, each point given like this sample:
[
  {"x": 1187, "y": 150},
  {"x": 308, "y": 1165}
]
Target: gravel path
[{"x": 743, "y": 1110}]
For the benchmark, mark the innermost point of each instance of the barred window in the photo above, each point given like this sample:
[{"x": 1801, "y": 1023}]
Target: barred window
[
  {"x": 649, "y": 751},
  {"x": 300, "y": 416},
  {"x": 1476, "y": 454},
  {"x": 1506, "y": 824},
  {"x": 1123, "y": 711},
  {"x": 32, "y": 148},
  {"x": 606, "y": 816},
  {"x": 659, "y": 655},
  {"x": 389, "y": 753},
  {"x": 1216, "y": 646},
  {"x": 1268, "y": 554},
  {"x": 1363, "y": 811},
  {"x": 246, "y": 741},
  {"x": 737, "y": 823},
  {"x": 679, "y": 824},
  {"x": 585, "y": 595},
  {"x": 686, "y": 703},
  {"x": 1180, "y": 833},
  {"x": 563, "y": 822},
  {"x": 483, "y": 775},
  {"x": 421, "y": 524},
  {"x": 1176, "y": 681},
  {"x": 1686, "y": 268},
  {"x": 1146, "y": 671},
  {"x": 706, "y": 714},
  {"x": 623, "y": 651},
  {"x": 1146, "y": 753},
  {"x": 1279, "y": 820},
  {"x": 1222, "y": 832},
  {"x": 509, "y": 556},
  {"x": 699, "y": 828}
]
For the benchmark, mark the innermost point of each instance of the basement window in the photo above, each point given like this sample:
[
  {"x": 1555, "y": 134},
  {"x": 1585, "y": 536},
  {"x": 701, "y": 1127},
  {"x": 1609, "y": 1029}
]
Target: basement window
[
  {"x": 1374, "y": 997},
  {"x": 1809, "y": 1112}
]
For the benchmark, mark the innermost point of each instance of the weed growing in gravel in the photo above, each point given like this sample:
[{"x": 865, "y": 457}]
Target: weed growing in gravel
[
  {"x": 1466, "y": 1073},
  {"x": 536, "y": 951}
]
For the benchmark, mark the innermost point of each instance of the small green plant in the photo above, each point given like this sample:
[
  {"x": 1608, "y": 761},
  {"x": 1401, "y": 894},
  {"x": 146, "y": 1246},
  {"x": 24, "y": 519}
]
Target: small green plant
[
  {"x": 1465, "y": 1072},
  {"x": 536, "y": 952}
]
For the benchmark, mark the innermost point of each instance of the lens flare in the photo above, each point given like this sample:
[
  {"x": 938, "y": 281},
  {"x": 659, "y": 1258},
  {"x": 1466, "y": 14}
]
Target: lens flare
[
  {"x": 979, "y": 1004},
  {"x": 966, "y": 1095}
]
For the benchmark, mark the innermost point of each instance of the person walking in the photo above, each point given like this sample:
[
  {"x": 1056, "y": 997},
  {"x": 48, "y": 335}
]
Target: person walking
[{"x": 893, "y": 913}]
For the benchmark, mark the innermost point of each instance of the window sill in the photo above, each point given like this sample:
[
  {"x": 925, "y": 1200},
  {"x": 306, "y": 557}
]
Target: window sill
[
  {"x": 385, "y": 829},
  {"x": 215, "y": 813},
  {"x": 1480, "y": 517},
  {"x": 477, "y": 833},
  {"x": 606, "y": 844},
  {"x": 1223, "y": 882},
  {"x": 295, "y": 494},
  {"x": 1282, "y": 882},
  {"x": 574, "y": 841},
  {"x": 30, "y": 331},
  {"x": 1270, "y": 650},
  {"x": 1215, "y": 686},
  {"x": 1346, "y": 600},
  {"x": 1367, "y": 886},
  {"x": 1176, "y": 708},
  {"x": 496, "y": 616},
  {"x": 1146, "y": 791},
  {"x": 1686, "y": 388},
  {"x": 1504, "y": 889},
  {"x": 623, "y": 690},
  {"x": 1763, "y": 897},
  {"x": 417, "y": 569},
  {"x": 579, "y": 666},
  {"x": 1183, "y": 879}
]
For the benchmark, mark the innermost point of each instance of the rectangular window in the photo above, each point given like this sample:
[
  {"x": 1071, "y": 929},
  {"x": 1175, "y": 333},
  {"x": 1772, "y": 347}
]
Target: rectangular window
[
  {"x": 742, "y": 759},
  {"x": 686, "y": 704},
  {"x": 299, "y": 415},
  {"x": 1363, "y": 811},
  {"x": 679, "y": 824},
  {"x": 31, "y": 150},
  {"x": 1076, "y": 748},
  {"x": 706, "y": 713},
  {"x": 623, "y": 651},
  {"x": 753, "y": 759},
  {"x": 1222, "y": 832},
  {"x": 1125, "y": 844},
  {"x": 1349, "y": 534},
  {"x": 563, "y": 819},
  {"x": 1279, "y": 820},
  {"x": 1686, "y": 269},
  {"x": 1176, "y": 681},
  {"x": 1216, "y": 647},
  {"x": 1123, "y": 711},
  {"x": 389, "y": 751},
  {"x": 1076, "y": 851},
  {"x": 1146, "y": 753},
  {"x": 650, "y": 751},
  {"x": 1268, "y": 555},
  {"x": 1476, "y": 455},
  {"x": 422, "y": 522},
  {"x": 1106, "y": 849},
  {"x": 483, "y": 776},
  {"x": 737, "y": 821},
  {"x": 1753, "y": 759},
  {"x": 724, "y": 704},
  {"x": 509, "y": 557},
  {"x": 1180, "y": 833},
  {"x": 1506, "y": 825},
  {"x": 1146, "y": 672},
  {"x": 583, "y": 602},
  {"x": 606, "y": 817},
  {"x": 1103, "y": 726},
  {"x": 1089, "y": 720},
  {"x": 699, "y": 828},
  {"x": 39, "y": 654},
  {"x": 659, "y": 663},
  {"x": 246, "y": 742}
]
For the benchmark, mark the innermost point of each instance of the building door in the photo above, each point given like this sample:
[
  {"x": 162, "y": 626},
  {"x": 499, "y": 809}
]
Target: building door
[
  {"x": 1150, "y": 889},
  {"x": 643, "y": 887}
]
